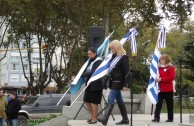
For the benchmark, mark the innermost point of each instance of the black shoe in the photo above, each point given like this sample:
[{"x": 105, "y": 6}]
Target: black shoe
[
  {"x": 156, "y": 120},
  {"x": 125, "y": 120},
  {"x": 104, "y": 119},
  {"x": 169, "y": 120},
  {"x": 91, "y": 122}
]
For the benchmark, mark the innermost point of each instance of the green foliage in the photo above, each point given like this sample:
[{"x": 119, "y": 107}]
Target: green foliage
[
  {"x": 63, "y": 23},
  {"x": 137, "y": 89},
  {"x": 41, "y": 120},
  {"x": 187, "y": 106}
]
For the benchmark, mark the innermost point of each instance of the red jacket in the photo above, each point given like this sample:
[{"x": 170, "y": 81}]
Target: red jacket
[{"x": 167, "y": 75}]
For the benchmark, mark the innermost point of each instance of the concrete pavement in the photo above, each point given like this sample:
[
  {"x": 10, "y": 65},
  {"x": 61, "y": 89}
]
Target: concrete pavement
[{"x": 138, "y": 120}]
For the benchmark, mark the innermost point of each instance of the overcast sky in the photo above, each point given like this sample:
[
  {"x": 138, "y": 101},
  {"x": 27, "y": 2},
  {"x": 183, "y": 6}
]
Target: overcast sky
[{"x": 168, "y": 23}]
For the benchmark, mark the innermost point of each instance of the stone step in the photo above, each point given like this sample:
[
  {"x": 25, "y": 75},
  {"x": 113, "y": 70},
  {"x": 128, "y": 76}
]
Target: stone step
[
  {"x": 186, "y": 124},
  {"x": 81, "y": 123},
  {"x": 191, "y": 119}
]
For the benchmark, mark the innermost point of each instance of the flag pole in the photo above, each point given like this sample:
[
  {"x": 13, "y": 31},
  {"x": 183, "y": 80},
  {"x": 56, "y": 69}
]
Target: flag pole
[
  {"x": 63, "y": 96},
  {"x": 79, "y": 95}
]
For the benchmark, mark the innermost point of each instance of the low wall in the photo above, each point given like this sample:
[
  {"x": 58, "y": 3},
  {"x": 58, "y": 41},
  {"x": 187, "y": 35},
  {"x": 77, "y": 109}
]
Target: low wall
[
  {"x": 141, "y": 103},
  {"x": 136, "y": 105},
  {"x": 127, "y": 101}
]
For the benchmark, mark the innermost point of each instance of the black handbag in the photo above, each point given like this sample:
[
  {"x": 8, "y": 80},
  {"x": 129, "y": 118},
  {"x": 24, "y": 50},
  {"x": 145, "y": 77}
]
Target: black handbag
[{"x": 107, "y": 82}]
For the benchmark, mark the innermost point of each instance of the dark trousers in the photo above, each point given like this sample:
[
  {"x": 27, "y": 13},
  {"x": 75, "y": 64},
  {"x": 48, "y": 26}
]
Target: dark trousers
[{"x": 168, "y": 97}]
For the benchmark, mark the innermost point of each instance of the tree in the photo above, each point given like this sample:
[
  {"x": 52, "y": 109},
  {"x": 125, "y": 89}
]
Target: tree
[{"x": 61, "y": 24}]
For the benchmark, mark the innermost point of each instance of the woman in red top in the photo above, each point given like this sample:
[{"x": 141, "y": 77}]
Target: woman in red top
[{"x": 167, "y": 75}]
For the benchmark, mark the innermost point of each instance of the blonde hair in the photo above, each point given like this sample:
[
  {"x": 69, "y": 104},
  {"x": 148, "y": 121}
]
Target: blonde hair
[
  {"x": 115, "y": 44},
  {"x": 167, "y": 58}
]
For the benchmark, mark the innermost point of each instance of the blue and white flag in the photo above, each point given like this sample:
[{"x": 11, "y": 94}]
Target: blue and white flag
[
  {"x": 162, "y": 38},
  {"x": 133, "y": 42},
  {"x": 131, "y": 36},
  {"x": 104, "y": 67},
  {"x": 79, "y": 81},
  {"x": 153, "y": 88}
]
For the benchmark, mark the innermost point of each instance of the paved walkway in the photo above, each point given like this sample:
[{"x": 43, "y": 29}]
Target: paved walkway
[{"x": 138, "y": 120}]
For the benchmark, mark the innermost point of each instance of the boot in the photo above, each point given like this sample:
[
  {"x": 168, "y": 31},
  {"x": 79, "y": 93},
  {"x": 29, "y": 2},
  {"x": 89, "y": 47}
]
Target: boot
[
  {"x": 104, "y": 119},
  {"x": 156, "y": 120},
  {"x": 123, "y": 111}
]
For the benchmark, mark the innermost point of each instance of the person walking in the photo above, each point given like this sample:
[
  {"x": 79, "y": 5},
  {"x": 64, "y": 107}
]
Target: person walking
[
  {"x": 119, "y": 80},
  {"x": 93, "y": 93},
  {"x": 3, "y": 104},
  {"x": 12, "y": 110},
  {"x": 165, "y": 80}
]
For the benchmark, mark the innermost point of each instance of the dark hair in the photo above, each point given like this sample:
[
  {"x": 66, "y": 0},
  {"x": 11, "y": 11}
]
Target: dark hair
[
  {"x": 13, "y": 93},
  {"x": 92, "y": 49},
  {"x": 1, "y": 89}
]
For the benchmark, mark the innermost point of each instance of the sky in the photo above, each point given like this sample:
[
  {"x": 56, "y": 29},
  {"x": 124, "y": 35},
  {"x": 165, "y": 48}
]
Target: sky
[{"x": 168, "y": 23}]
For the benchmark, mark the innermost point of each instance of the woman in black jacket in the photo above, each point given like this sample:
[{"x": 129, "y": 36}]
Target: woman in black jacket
[
  {"x": 93, "y": 93},
  {"x": 119, "y": 67}
]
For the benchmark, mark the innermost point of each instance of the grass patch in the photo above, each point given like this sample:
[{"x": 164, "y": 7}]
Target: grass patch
[{"x": 41, "y": 120}]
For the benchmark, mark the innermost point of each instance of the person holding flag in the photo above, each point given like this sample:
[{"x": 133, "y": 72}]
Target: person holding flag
[
  {"x": 93, "y": 93},
  {"x": 165, "y": 80},
  {"x": 119, "y": 80}
]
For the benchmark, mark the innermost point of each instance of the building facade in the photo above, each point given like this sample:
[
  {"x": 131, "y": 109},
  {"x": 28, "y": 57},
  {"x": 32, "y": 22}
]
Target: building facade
[{"x": 11, "y": 69}]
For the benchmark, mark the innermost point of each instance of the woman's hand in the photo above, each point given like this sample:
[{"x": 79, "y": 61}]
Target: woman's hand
[
  {"x": 159, "y": 79},
  {"x": 125, "y": 89}
]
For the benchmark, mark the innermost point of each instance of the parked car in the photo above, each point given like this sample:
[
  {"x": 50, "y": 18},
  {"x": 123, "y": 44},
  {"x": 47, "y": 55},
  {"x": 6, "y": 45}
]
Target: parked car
[{"x": 41, "y": 106}]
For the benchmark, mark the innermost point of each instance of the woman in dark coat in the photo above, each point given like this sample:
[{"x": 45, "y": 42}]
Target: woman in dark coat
[
  {"x": 93, "y": 93},
  {"x": 119, "y": 81}
]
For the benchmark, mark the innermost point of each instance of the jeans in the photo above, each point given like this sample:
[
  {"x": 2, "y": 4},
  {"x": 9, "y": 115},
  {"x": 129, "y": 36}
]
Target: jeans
[
  {"x": 115, "y": 94},
  {"x": 12, "y": 122},
  {"x": 2, "y": 121}
]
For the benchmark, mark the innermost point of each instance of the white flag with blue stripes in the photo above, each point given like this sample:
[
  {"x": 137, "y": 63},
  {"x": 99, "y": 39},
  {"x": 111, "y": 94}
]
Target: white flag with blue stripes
[
  {"x": 162, "y": 38},
  {"x": 153, "y": 88}
]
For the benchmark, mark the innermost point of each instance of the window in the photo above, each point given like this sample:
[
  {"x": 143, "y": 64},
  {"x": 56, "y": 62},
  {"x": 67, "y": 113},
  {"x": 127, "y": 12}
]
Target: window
[
  {"x": 25, "y": 66},
  {"x": 44, "y": 101},
  {"x": 36, "y": 58},
  {"x": 24, "y": 45},
  {"x": 65, "y": 101},
  {"x": 24, "y": 58},
  {"x": 15, "y": 66},
  {"x": 14, "y": 77},
  {"x": 15, "y": 57},
  {"x": 31, "y": 101}
]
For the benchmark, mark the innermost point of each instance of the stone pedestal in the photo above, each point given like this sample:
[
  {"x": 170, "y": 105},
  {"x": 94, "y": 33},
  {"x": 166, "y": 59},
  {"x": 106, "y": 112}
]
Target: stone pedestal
[
  {"x": 191, "y": 121},
  {"x": 70, "y": 112}
]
